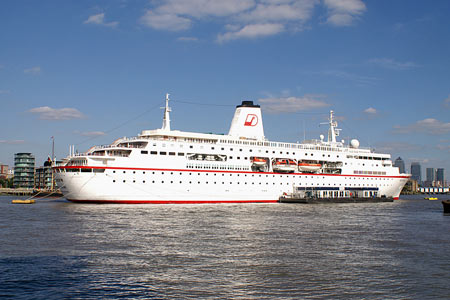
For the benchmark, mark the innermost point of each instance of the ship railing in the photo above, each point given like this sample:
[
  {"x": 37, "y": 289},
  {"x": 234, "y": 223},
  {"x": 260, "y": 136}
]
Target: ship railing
[{"x": 313, "y": 146}]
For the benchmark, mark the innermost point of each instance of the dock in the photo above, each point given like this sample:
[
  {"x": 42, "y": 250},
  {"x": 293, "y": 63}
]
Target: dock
[
  {"x": 30, "y": 192},
  {"x": 16, "y": 192}
]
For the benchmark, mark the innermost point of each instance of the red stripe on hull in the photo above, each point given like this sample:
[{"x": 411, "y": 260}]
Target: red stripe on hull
[
  {"x": 395, "y": 198},
  {"x": 169, "y": 201}
]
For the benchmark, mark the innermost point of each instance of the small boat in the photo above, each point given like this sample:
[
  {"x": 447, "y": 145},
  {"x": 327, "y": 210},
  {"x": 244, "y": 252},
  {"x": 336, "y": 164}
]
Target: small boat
[
  {"x": 446, "y": 204},
  {"x": 308, "y": 167},
  {"x": 23, "y": 201},
  {"x": 259, "y": 161},
  {"x": 284, "y": 165},
  {"x": 431, "y": 198}
]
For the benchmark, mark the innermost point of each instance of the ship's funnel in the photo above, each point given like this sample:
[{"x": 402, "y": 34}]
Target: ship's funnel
[{"x": 247, "y": 122}]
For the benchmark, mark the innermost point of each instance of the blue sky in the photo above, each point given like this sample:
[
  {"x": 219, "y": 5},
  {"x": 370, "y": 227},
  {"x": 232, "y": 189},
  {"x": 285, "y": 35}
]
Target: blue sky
[{"x": 88, "y": 72}]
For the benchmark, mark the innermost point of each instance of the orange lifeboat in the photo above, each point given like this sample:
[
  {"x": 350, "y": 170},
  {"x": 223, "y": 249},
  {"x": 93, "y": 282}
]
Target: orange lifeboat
[
  {"x": 308, "y": 167},
  {"x": 284, "y": 165},
  {"x": 259, "y": 161}
]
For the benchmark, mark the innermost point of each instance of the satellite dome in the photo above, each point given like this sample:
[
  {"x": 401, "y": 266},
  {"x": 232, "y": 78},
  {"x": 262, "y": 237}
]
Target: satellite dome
[{"x": 354, "y": 143}]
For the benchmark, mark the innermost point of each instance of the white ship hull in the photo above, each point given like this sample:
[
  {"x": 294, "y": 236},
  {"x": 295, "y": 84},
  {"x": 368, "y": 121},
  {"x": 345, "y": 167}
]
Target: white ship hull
[
  {"x": 165, "y": 166},
  {"x": 177, "y": 186}
]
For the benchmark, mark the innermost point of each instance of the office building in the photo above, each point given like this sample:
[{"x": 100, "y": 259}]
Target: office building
[
  {"x": 400, "y": 164},
  {"x": 440, "y": 180},
  {"x": 431, "y": 177},
  {"x": 43, "y": 176},
  {"x": 416, "y": 172},
  {"x": 23, "y": 170}
]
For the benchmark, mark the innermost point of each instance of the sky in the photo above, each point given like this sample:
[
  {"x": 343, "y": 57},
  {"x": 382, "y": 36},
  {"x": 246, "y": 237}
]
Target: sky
[{"x": 88, "y": 72}]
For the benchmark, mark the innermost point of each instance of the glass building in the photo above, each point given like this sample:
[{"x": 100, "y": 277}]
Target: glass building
[
  {"x": 23, "y": 170},
  {"x": 400, "y": 164},
  {"x": 416, "y": 172},
  {"x": 440, "y": 176},
  {"x": 431, "y": 177}
]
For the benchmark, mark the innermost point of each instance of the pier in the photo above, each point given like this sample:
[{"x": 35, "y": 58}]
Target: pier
[{"x": 16, "y": 192}]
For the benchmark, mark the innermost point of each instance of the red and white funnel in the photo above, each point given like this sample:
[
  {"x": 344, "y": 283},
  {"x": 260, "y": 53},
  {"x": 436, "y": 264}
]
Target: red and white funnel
[{"x": 247, "y": 122}]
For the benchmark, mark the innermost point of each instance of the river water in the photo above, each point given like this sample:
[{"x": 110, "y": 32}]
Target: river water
[{"x": 54, "y": 249}]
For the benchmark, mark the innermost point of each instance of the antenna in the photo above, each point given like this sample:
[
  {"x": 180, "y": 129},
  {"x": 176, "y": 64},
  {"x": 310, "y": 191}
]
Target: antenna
[{"x": 166, "y": 119}]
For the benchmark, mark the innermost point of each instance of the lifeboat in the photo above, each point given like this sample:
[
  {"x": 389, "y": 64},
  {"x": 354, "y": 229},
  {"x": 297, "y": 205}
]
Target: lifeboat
[
  {"x": 308, "y": 167},
  {"x": 284, "y": 165},
  {"x": 259, "y": 161}
]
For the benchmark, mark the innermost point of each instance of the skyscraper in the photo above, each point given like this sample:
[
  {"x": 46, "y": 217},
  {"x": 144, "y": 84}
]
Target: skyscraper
[
  {"x": 431, "y": 177},
  {"x": 400, "y": 164},
  {"x": 440, "y": 177},
  {"x": 416, "y": 172}
]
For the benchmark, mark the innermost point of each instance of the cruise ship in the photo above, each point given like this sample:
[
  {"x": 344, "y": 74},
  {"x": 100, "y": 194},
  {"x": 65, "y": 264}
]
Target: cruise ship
[{"x": 172, "y": 166}]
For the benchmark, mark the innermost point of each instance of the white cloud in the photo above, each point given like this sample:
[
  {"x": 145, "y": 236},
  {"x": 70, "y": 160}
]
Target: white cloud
[
  {"x": 12, "y": 142},
  {"x": 359, "y": 79},
  {"x": 33, "y": 71},
  {"x": 99, "y": 19},
  {"x": 251, "y": 31},
  {"x": 344, "y": 12},
  {"x": 443, "y": 147},
  {"x": 397, "y": 147},
  {"x": 165, "y": 21},
  {"x": 427, "y": 126},
  {"x": 446, "y": 102},
  {"x": 277, "y": 11},
  {"x": 370, "y": 110},
  {"x": 292, "y": 104},
  {"x": 389, "y": 63},
  {"x": 205, "y": 8},
  {"x": 53, "y": 114},
  {"x": 91, "y": 133},
  {"x": 247, "y": 19},
  {"x": 187, "y": 39}
]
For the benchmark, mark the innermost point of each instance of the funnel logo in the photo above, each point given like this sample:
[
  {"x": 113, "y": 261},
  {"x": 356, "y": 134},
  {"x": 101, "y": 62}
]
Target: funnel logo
[{"x": 251, "y": 120}]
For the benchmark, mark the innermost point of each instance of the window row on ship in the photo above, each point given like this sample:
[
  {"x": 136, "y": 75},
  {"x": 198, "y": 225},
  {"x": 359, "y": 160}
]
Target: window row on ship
[
  {"x": 246, "y": 158},
  {"x": 258, "y": 143},
  {"x": 246, "y": 183},
  {"x": 136, "y": 143}
]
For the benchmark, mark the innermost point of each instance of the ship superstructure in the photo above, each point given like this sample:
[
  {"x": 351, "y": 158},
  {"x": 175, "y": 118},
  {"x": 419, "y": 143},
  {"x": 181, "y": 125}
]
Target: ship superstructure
[{"x": 171, "y": 166}]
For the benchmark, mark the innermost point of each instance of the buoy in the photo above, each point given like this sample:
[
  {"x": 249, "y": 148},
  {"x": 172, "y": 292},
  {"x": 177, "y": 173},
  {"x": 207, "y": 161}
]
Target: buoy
[{"x": 20, "y": 201}]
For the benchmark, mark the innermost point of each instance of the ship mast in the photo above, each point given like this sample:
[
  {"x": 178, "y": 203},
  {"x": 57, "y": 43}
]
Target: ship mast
[
  {"x": 166, "y": 119},
  {"x": 333, "y": 131}
]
